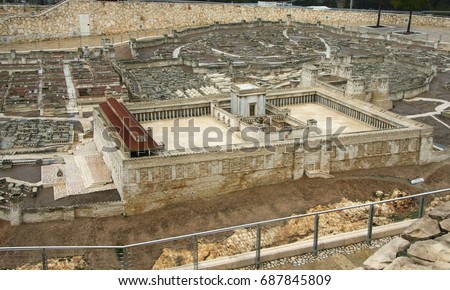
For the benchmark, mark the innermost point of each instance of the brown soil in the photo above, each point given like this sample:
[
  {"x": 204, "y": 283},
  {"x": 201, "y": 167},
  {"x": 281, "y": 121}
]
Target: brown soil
[{"x": 236, "y": 208}]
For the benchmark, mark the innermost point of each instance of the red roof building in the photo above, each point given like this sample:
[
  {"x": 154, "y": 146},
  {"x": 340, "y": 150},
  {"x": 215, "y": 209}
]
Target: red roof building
[{"x": 135, "y": 139}]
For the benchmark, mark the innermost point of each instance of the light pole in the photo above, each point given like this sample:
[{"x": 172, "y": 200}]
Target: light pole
[{"x": 351, "y": 4}]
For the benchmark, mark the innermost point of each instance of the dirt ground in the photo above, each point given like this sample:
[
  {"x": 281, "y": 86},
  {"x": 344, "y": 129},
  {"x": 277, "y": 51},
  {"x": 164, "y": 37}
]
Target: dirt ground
[{"x": 256, "y": 204}]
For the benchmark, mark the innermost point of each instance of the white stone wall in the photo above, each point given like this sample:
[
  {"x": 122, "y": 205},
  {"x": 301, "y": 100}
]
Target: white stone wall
[
  {"x": 153, "y": 182},
  {"x": 112, "y": 157},
  {"x": 118, "y": 17}
]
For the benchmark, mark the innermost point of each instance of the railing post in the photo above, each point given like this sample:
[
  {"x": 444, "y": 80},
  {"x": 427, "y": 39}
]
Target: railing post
[
  {"x": 44, "y": 260},
  {"x": 195, "y": 252},
  {"x": 421, "y": 206},
  {"x": 258, "y": 246},
  {"x": 125, "y": 263},
  {"x": 316, "y": 235},
  {"x": 370, "y": 225}
]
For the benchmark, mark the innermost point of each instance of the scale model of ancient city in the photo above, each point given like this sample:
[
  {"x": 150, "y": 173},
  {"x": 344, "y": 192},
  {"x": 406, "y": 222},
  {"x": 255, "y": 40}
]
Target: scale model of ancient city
[{"x": 121, "y": 109}]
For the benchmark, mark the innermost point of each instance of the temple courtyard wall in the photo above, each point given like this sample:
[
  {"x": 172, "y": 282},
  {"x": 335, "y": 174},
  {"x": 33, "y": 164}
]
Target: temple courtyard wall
[
  {"x": 146, "y": 183},
  {"x": 150, "y": 184},
  {"x": 118, "y": 17}
]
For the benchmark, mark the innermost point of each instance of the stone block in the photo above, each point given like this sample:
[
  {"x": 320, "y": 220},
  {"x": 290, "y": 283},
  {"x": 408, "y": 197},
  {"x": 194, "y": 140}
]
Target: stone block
[
  {"x": 422, "y": 229},
  {"x": 440, "y": 266},
  {"x": 445, "y": 225},
  {"x": 433, "y": 265},
  {"x": 441, "y": 212},
  {"x": 430, "y": 250},
  {"x": 445, "y": 239},
  {"x": 405, "y": 263},
  {"x": 386, "y": 255}
]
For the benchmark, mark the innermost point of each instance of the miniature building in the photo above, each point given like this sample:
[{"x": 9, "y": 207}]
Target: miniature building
[
  {"x": 134, "y": 140},
  {"x": 248, "y": 100},
  {"x": 264, "y": 145}
]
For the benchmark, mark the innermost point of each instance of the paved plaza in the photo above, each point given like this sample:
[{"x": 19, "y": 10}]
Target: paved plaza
[
  {"x": 328, "y": 119},
  {"x": 207, "y": 132}
]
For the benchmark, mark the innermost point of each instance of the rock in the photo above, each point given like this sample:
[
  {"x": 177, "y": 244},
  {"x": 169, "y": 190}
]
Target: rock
[
  {"x": 405, "y": 263},
  {"x": 440, "y": 266},
  {"x": 386, "y": 254},
  {"x": 445, "y": 240},
  {"x": 421, "y": 262},
  {"x": 445, "y": 225},
  {"x": 430, "y": 250},
  {"x": 433, "y": 265},
  {"x": 441, "y": 212},
  {"x": 422, "y": 229}
]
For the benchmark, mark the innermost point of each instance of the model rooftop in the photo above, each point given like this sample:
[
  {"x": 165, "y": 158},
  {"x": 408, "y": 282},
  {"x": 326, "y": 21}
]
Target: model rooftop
[{"x": 134, "y": 138}]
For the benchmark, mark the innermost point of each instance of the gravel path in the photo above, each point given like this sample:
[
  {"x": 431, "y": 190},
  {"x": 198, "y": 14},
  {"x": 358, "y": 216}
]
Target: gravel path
[{"x": 304, "y": 260}]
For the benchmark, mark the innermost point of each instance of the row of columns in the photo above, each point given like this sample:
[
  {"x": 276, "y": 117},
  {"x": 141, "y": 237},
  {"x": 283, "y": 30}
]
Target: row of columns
[
  {"x": 379, "y": 124},
  {"x": 332, "y": 105},
  {"x": 172, "y": 114},
  {"x": 293, "y": 100}
]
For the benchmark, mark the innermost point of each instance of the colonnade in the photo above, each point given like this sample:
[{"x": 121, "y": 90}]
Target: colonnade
[
  {"x": 352, "y": 113},
  {"x": 355, "y": 114},
  {"x": 172, "y": 114},
  {"x": 294, "y": 100}
]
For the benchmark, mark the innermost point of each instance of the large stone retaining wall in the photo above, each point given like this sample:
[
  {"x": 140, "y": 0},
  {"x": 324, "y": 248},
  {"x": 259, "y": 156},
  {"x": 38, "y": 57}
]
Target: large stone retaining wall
[
  {"x": 157, "y": 182},
  {"x": 118, "y": 17}
]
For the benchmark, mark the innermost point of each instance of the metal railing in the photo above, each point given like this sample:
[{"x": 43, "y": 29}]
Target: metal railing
[{"x": 135, "y": 256}]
